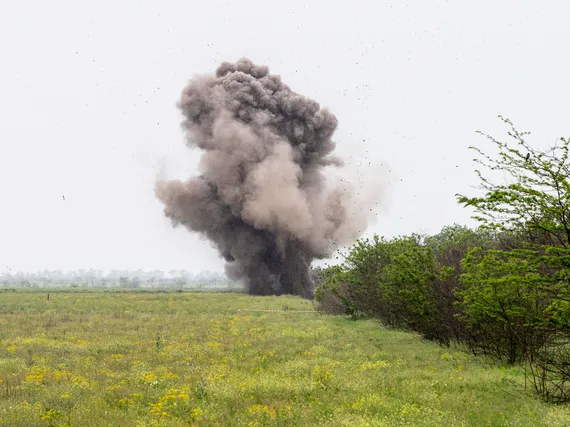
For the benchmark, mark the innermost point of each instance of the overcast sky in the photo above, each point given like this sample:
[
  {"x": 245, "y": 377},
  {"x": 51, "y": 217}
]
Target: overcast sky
[{"x": 88, "y": 93}]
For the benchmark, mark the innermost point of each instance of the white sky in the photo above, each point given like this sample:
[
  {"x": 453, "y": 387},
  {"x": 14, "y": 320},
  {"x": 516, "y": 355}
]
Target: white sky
[{"x": 88, "y": 92}]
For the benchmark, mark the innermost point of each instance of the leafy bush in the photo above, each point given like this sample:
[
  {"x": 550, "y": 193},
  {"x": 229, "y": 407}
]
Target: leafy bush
[
  {"x": 449, "y": 247},
  {"x": 391, "y": 280},
  {"x": 517, "y": 301},
  {"x": 502, "y": 289},
  {"x": 330, "y": 294},
  {"x": 501, "y": 303}
]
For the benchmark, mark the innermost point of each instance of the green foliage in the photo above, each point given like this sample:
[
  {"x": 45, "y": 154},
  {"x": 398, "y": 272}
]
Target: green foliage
[
  {"x": 453, "y": 242},
  {"x": 535, "y": 195},
  {"x": 330, "y": 294},
  {"x": 516, "y": 301},
  {"x": 388, "y": 279},
  {"x": 501, "y": 303},
  {"x": 502, "y": 289},
  {"x": 449, "y": 247},
  {"x": 407, "y": 282},
  {"x": 129, "y": 283}
]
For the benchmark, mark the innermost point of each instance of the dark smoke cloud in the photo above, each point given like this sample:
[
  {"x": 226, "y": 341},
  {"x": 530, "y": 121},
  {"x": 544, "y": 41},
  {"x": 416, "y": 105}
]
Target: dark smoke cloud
[{"x": 262, "y": 197}]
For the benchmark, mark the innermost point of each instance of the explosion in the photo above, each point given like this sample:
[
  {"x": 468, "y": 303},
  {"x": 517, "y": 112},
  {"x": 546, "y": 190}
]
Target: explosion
[{"x": 263, "y": 197}]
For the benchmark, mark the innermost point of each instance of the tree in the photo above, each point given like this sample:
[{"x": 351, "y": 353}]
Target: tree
[
  {"x": 388, "y": 279},
  {"x": 532, "y": 208},
  {"x": 124, "y": 282},
  {"x": 449, "y": 247},
  {"x": 521, "y": 295},
  {"x": 501, "y": 303},
  {"x": 331, "y": 290},
  {"x": 535, "y": 199}
]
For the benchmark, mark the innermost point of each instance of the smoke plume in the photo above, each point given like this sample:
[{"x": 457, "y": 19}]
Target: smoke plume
[{"x": 263, "y": 196}]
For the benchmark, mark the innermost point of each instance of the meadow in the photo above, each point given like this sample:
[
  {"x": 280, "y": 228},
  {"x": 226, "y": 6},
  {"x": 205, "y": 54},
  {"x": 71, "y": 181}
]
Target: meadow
[{"x": 181, "y": 358}]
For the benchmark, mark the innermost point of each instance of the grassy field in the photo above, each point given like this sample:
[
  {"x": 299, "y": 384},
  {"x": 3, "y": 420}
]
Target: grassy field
[{"x": 151, "y": 359}]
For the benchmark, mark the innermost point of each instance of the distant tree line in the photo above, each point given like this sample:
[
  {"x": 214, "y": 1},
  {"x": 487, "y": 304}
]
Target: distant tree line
[
  {"x": 173, "y": 279},
  {"x": 501, "y": 290}
]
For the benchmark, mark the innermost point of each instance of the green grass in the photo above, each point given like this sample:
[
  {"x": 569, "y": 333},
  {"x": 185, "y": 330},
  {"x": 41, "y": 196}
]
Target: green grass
[{"x": 149, "y": 359}]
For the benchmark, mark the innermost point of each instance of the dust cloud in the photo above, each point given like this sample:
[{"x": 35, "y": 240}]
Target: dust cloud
[{"x": 266, "y": 196}]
